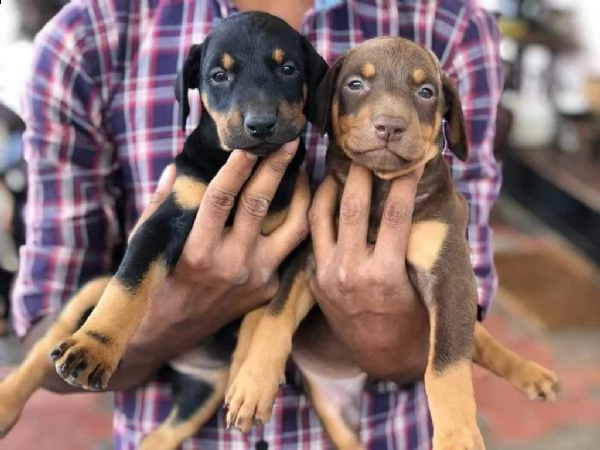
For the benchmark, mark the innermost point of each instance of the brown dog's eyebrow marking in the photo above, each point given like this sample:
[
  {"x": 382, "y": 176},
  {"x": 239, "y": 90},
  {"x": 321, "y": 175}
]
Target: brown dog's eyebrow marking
[
  {"x": 227, "y": 61},
  {"x": 278, "y": 55},
  {"x": 367, "y": 70},
  {"x": 419, "y": 76}
]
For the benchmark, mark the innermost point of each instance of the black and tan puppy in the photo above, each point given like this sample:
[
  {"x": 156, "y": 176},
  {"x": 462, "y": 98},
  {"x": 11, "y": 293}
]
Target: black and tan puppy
[
  {"x": 384, "y": 105},
  {"x": 257, "y": 77}
]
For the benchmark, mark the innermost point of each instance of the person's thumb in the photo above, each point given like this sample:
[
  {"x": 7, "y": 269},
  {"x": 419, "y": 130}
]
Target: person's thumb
[{"x": 164, "y": 187}]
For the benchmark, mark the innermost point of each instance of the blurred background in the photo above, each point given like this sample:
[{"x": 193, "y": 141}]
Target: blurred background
[{"x": 546, "y": 229}]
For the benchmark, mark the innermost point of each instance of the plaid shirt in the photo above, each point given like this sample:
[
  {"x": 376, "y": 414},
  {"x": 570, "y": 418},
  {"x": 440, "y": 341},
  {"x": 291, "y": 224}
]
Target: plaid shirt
[{"x": 102, "y": 125}]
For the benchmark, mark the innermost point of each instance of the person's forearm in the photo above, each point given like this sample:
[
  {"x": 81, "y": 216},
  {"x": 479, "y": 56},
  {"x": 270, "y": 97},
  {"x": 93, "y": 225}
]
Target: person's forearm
[{"x": 137, "y": 366}]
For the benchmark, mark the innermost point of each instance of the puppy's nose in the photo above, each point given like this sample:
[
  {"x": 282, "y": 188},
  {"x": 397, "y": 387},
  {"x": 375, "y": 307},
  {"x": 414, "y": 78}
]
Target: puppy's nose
[
  {"x": 390, "y": 128},
  {"x": 260, "y": 126}
]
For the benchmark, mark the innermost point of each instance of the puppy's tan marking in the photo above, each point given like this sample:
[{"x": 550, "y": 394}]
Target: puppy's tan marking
[
  {"x": 293, "y": 112},
  {"x": 278, "y": 55},
  {"x": 367, "y": 70},
  {"x": 188, "y": 192},
  {"x": 425, "y": 243},
  {"x": 222, "y": 122},
  {"x": 236, "y": 118},
  {"x": 419, "y": 76},
  {"x": 171, "y": 433},
  {"x": 20, "y": 384},
  {"x": 227, "y": 61}
]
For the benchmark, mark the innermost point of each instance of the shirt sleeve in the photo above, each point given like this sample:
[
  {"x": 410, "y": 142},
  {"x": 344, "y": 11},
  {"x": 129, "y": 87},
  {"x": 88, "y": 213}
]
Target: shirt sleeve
[
  {"x": 71, "y": 225},
  {"x": 475, "y": 65}
]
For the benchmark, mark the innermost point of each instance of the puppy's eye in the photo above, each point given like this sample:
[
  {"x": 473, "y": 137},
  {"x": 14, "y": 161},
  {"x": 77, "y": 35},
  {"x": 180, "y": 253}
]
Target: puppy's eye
[
  {"x": 288, "y": 70},
  {"x": 355, "y": 85},
  {"x": 425, "y": 92},
  {"x": 219, "y": 77}
]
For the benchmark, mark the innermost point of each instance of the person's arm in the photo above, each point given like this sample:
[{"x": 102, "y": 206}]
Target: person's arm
[
  {"x": 70, "y": 215},
  {"x": 476, "y": 67},
  {"x": 222, "y": 272},
  {"x": 365, "y": 292}
]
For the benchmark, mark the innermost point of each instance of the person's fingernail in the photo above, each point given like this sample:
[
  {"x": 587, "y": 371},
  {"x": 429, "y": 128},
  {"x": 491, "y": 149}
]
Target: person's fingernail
[{"x": 291, "y": 147}]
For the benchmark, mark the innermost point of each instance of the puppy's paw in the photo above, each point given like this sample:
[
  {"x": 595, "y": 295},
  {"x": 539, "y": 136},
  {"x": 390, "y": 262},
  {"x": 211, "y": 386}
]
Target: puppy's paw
[
  {"x": 537, "y": 382},
  {"x": 85, "y": 362},
  {"x": 251, "y": 395}
]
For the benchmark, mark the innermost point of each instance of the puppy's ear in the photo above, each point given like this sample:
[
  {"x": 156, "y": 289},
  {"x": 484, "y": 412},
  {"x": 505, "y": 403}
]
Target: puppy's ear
[
  {"x": 324, "y": 94},
  {"x": 457, "y": 132},
  {"x": 315, "y": 67},
  {"x": 188, "y": 78}
]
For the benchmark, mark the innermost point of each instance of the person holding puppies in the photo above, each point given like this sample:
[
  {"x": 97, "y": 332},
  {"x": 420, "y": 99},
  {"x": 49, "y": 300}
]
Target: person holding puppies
[{"x": 102, "y": 126}]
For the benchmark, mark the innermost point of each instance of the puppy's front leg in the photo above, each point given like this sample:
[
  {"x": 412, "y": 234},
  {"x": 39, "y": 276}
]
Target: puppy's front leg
[
  {"x": 20, "y": 385},
  {"x": 252, "y": 393},
  {"x": 444, "y": 278},
  {"x": 90, "y": 356}
]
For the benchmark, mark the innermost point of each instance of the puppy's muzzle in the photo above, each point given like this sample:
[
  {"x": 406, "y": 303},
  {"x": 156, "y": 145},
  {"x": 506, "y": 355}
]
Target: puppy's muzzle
[{"x": 260, "y": 126}]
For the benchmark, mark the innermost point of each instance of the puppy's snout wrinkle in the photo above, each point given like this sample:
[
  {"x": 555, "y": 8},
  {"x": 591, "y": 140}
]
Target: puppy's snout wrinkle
[{"x": 390, "y": 128}]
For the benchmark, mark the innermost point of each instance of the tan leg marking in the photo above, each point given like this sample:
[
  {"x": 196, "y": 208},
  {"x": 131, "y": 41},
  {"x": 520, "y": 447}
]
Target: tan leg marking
[
  {"x": 537, "y": 382},
  {"x": 188, "y": 192},
  {"x": 171, "y": 434},
  {"x": 244, "y": 340},
  {"x": 451, "y": 402},
  {"x": 251, "y": 395},
  {"x": 425, "y": 243},
  {"x": 115, "y": 319},
  {"x": 20, "y": 384}
]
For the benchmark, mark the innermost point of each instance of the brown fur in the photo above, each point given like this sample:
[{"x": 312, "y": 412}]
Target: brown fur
[{"x": 438, "y": 254}]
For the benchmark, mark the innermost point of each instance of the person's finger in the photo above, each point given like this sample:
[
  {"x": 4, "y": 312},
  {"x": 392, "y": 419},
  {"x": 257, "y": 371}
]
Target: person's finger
[
  {"x": 163, "y": 189},
  {"x": 254, "y": 202},
  {"x": 354, "y": 210},
  {"x": 321, "y": 218},
  {"x": 396, "y": 220},
  {"x": 219, "y": 199},
  {"x": 294, "y": 228}
]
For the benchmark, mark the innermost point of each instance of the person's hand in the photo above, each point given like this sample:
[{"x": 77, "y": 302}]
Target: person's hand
[
  {"x": 363, "y": 289},
  {"x": 223, "y": 272}
]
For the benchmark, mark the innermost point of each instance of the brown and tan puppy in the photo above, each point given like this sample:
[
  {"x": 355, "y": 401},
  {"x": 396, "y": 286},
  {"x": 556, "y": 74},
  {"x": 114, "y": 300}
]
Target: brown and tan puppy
[{"x": 384, "y": 104}]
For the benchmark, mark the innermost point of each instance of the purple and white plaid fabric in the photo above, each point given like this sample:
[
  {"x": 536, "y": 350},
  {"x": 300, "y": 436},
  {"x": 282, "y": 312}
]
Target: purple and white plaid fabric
[{"x": 103, "y": 123}]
